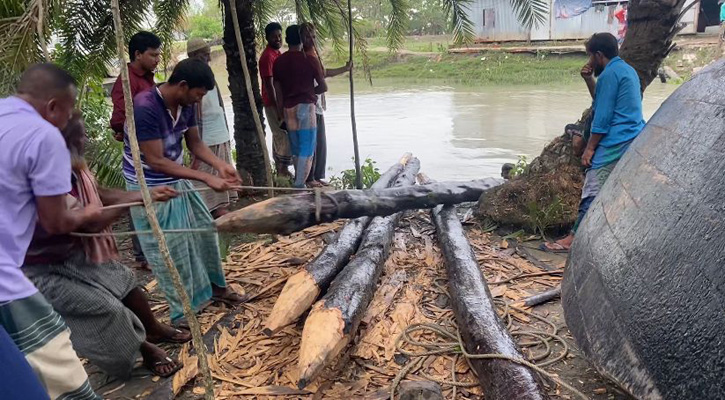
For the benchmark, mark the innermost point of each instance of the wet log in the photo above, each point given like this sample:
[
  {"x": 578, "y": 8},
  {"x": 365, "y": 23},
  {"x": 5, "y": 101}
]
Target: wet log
[
  {"x": 643, "y": 291},
  {"x": 334, "y": 319},
  {"x": 288, "y": 214},
  {"x": 481, "y": 329},
  {"x": 303, "y": 288}
]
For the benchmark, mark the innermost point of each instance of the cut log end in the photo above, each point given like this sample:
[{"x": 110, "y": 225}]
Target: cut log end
[
  {"x": 322, "y": 340},
  {"x": 298, "y": 294}
]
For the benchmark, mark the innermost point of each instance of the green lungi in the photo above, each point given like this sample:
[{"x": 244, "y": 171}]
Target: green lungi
[{"x": 196, "y": 254}]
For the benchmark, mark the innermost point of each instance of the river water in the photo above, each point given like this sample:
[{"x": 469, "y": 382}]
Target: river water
[{"x": 458, "y": 133}]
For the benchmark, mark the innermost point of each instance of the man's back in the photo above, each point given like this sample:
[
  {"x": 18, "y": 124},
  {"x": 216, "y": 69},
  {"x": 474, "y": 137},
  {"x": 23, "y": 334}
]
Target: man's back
[
  {"x": 617, "y": 109},
  {"x": 296, "y": 73},
  {"x": 36, "y": 163}
]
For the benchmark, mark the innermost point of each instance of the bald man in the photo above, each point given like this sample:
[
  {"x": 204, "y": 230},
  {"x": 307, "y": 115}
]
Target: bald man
[{"x": 36, "y": 168}]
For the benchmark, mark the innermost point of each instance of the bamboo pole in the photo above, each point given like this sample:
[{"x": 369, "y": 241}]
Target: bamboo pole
[
  {"x": 151, "y": 213},
  {"x": 250, "y": 95},
  {"x": 358, "y": 174}
]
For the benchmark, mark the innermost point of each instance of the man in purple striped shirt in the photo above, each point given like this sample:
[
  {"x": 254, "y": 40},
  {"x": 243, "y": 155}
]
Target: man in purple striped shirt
[{"x": 165, "y": 116}]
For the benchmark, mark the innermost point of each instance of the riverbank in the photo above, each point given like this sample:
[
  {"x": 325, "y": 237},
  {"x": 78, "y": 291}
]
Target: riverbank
[{"x": 433, "y": 59}]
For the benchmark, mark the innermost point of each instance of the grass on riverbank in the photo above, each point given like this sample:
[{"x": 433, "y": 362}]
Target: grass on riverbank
[{"x": 478, "y": 69}]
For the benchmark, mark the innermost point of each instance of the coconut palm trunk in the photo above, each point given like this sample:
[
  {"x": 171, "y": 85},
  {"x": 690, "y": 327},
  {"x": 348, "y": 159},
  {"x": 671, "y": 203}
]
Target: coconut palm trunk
[{"x": 250, "y": 156}]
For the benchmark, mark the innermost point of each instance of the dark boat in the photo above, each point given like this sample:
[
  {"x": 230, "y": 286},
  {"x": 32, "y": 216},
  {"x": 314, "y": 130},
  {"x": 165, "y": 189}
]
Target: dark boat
[{"x": 644, "y": 290}]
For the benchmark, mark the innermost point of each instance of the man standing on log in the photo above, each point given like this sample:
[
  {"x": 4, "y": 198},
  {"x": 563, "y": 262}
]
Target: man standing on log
[
  {"x": 212, "y": 122},
  {"x": 616, "y": 123},
  {"x": 144, "y": 50},
  {"x": 281, "y": 151},
  {"x": 37, "y": 170},
  {"x": 295, "y": 77},
  {"x": 165, "y": 116}
]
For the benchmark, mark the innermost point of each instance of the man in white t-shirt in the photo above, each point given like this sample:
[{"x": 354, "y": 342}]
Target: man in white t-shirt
[{"x": 212, "y": 122}]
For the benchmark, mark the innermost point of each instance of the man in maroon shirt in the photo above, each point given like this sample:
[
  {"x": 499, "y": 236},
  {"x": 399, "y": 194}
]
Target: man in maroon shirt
[
  {"x": 144, "y": 49},
  {"x": 298, "y": 79},
  {"x": 280, "y": 140}
]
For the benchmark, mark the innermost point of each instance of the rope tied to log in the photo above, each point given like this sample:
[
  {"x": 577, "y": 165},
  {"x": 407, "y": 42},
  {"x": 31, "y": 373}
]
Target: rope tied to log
[{"x": 452, "y": 344}]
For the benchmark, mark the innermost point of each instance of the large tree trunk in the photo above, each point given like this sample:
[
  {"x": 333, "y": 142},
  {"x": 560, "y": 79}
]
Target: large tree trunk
[
  {"x": 250, "y": 160},
  {"x": 554, "y": 176}
]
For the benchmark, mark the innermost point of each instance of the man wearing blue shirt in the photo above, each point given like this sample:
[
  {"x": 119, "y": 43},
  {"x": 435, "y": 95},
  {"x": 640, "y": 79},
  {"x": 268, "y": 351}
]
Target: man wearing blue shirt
[{"x": 616, "y": 122}]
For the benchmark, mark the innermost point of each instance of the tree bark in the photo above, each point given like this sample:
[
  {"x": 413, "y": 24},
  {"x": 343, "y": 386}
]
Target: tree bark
[
  {"x": 481, "y": 329},
  {"x": 303, "y": 288},
  {"x": 334, "y": 319},
  {"x": 250, "y": 157},
  {"x": 287, "y": 214},
  {"x": 652, "y": 24}
]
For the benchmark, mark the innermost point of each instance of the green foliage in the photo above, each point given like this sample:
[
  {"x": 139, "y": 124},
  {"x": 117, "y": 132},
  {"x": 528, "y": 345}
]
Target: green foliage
[
  {"x": 520, "y": 166},
  {"x": 205, "y": 27},
  {"x": 347, "y": 178},
  {"x": 542, "y": 218},
  {"x": 480, "y": 69},
  {"x": 103, "y": 153}
]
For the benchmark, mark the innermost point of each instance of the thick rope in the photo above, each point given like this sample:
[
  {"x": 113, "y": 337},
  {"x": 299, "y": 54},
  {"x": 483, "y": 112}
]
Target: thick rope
[{"x": 452, "y": 344}]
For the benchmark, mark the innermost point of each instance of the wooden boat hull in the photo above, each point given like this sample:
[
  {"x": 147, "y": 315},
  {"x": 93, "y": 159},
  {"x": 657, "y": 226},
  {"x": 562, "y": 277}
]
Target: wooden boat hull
[{"x": 644, "y": 289}]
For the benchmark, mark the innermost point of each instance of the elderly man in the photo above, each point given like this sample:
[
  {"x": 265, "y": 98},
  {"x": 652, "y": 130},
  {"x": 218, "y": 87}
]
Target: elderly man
[
  {"x": 37, "y": 168},
  {"x": 165, "y": 117},
  {"x": 616, "y": 123},
  {"x": 84, "y": 281},
  {"x": 214, "y": 131}
]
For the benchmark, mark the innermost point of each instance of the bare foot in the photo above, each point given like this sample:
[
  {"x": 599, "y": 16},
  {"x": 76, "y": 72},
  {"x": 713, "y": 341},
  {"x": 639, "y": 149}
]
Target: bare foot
[
  {"x": 560, "y": 246},
  {"x": 165, "y": 334},
  {"x": 158, "y": 361}
]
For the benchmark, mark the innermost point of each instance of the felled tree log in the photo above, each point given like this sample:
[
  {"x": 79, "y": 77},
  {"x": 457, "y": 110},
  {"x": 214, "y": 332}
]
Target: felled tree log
[
  {"x": 287, "y": 214},
  {"x": 481, "y": 329},
  {"x": 643, "y": 289},
  {"x": 334, "y": 319},
  {"x": 304, "y": 287}
]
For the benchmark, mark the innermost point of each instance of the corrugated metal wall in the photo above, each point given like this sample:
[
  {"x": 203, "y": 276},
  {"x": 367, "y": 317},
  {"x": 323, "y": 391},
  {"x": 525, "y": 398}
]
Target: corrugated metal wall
[
  {"x": 595, "y": 19},
  {"x": 495, "y": 20}
]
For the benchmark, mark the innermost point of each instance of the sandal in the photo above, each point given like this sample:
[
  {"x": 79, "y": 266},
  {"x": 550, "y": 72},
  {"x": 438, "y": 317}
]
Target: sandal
[
  {"x": 230, "y": 298},
  {"x": 313, "y": 184},
  {"x": 154, "y": 368},
  {"x": 179, "y": 337}
]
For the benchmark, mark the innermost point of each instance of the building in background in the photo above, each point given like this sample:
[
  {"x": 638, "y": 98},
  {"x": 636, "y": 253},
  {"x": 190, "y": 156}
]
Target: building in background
[{"x": 495, "y": 20}]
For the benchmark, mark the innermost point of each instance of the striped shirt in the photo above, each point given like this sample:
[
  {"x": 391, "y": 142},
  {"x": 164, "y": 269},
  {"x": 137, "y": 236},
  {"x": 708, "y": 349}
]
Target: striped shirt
[{"x": 155, "y": 122}]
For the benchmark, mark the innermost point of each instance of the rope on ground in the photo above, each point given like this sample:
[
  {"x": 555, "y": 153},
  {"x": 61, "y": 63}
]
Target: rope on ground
[{"x": 452, "y": 344}]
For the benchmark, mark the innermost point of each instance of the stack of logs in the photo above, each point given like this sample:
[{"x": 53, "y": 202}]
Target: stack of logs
[{"x": 347, "y": 271}]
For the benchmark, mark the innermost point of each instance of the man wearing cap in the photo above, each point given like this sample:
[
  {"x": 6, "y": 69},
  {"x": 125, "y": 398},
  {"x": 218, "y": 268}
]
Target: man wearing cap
[{"x": 213, "y": 129}]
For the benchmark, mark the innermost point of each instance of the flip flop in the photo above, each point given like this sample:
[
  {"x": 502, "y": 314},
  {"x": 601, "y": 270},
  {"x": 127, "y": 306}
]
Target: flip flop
[
  {"x": 154, "y": 368},
  {"x": 560, "y": 250},
  {"x": 226, "y": 300},
  {"x": 174, "y": 339}
]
